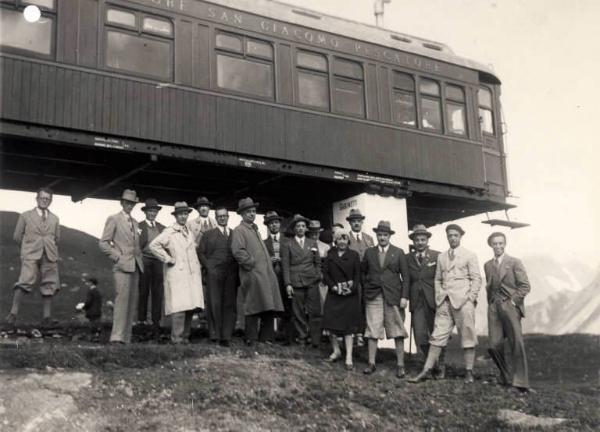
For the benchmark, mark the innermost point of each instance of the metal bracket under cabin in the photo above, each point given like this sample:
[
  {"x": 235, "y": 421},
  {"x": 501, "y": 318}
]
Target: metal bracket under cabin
[{"x": 504, "y": 222}]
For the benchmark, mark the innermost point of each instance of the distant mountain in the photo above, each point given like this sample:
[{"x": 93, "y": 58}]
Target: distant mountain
[
  {"x": 79, "y": 254},
  {"x": 567, "y": 312}
]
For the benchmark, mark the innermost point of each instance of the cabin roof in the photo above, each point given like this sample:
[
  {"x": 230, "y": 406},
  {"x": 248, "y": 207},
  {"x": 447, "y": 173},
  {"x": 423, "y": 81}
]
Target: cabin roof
[{"x": 353, "y": 29}]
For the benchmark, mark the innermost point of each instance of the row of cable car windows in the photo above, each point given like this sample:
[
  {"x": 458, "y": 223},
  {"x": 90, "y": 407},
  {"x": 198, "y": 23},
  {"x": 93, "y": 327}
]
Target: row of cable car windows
[{"x": 140, "y": 43}]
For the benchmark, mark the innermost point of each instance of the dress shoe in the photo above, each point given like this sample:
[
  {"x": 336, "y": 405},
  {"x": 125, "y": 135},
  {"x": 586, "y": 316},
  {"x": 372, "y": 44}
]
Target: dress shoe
[
  {"x": 400, "y": 372},
  {"x": 349, "y": 367},
  {"x": 10, "y": 319},
  {"x": 225, "y": 343},
  {"x": 469, "y": 377},
  {"x": 439, "y": 373},
  {"x": 334, "y": 357},
  {"x": 423, "y": 376},
  {"x": 520, "y": 390},
  {"x": 369, "y": 369},
  {"x": 117, "y": 342},
  {"x": 249, "y": 342},
  {"x": 360, "y": 341}
]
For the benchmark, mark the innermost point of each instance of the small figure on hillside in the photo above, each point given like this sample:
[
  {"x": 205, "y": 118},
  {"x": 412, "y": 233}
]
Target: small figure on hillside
[
  {"x": 92, "y": 306},
  {"x": 38, "y": 233},
  {"x": 507, "y": 285}
]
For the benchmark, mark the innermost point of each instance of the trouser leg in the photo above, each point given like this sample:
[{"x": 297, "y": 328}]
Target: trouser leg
[
  {"x": 49, "y": 281},
  {"x": 144, "y": 290},
  {"x": 214, "y": 317},
  {"x": 315, "y": 316},
  {"x": 267, "y": 327},
  {"x": 511, "y": 317},
  {"x": 496, "y": 341},
  {"x": 252, "y": 322},
  {"x": 180, "y": 326},
  {"x": 156, "y": 292},
  {"x": 299, "y": 312},
  {"x": 229, "y": 300},
  {"x": 124, "y": 305}
]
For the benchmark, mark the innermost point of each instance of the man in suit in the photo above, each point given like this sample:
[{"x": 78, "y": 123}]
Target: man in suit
[
  {"x": 506, "y": 285},
  {"x": 314, "y": 232},
  {"x": 359, "y": 242},
  {"x": 422, "y": 263},
  {"x": 262, "y": 300},
  {"x": 301, "y": 275},
  {"x": 385, "y": 278},
  {"x": 222, "y": 279},
  {"x": 457, "y": 284},
  {"x": 203, "y": 222},
  {"x": 120, "y": 241},
  {"x": 38, "y": 233},
  {"x": 273, "y": 243},
  {"x": 151, "y": 280}
]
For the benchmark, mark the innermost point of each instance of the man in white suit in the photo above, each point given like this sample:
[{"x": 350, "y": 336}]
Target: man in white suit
[
  {"x": 38, "y": 232},
  {"x": 120, "y": 241},
  {"x": 457, "y": 285}
]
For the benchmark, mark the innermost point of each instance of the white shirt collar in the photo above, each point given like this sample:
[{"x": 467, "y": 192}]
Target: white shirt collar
[
  {"x": 356, "y": 235},
  {"x": 40, "y": 212},
  {"x": 275, "y": 236},
  {"x": 385, "y": 249},
  {"x": 301, "y": 239},
  {"x": 499, "y": 259}
]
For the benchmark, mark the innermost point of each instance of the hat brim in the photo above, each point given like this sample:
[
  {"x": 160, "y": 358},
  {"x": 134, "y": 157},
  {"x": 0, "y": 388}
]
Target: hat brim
[
  {"x": 351, "y": 218},
  {"x": 425, "y": 233},
  {"x": 294, "y": 222},
  {"x": 130, "y": 201},
  {"x": 150, "y": 208},
  {"x": 271, "y": 219},
  {"x": 316, "y": 229},
  {"x": 182, "y": 210},
  {"x": 200, "y": 204},
  {"x": 243, "y": 209},
  {"x": 390, "y": 232}
]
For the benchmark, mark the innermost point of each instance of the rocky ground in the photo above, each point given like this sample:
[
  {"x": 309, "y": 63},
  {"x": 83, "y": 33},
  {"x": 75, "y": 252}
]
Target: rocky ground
[{"x": 56, "y": 384}]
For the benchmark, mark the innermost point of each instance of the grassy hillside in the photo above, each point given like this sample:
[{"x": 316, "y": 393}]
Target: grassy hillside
[
  {"x": 79, "y": 253},
  {"x": 149, "y": 387}
]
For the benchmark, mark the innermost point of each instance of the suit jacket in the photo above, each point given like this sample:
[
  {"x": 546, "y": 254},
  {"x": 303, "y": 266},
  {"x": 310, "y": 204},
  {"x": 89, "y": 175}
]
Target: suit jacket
[
  {"x": 392, "y": 279},
  {"x": 458, "y": 279},
  {"x": 121, "y": 244},
  {"x": 195, "y": 226},
  {"x": 215, "y": 252},
  {"x": 422, "y": 277},
  {"x": 365, "y": 243},
  {"x": 301, "y": 266},
  {"x": 513, "y": 280},
  {"x": 143, "y": 225},
  {"x": 37, "y": 236}
]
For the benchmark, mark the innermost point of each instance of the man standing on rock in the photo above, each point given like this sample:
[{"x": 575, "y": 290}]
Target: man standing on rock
[
  {"x": 120, "y": 241},
  {"x": 507, "y": 285},
  {"x": 457, "y": 285},
  {"x": 258, "y": 280},
  {"x": 38, "y": 233}
]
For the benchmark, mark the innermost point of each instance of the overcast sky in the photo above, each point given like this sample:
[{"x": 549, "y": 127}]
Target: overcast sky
[{"x": 546, "y": 54}]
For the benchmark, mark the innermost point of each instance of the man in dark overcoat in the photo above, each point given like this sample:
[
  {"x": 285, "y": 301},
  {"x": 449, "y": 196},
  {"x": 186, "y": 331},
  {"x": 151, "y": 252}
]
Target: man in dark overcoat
[
  {"x": 222, "y": 278},
  {"x": 262, "y": 300}
]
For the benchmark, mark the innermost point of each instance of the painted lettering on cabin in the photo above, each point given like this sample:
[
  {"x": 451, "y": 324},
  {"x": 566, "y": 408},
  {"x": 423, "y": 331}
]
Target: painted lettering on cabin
[{"x": 315, "y": 38}]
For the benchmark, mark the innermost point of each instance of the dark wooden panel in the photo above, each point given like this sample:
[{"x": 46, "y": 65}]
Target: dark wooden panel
[
  {"x": 67, "y": 29},
  {"x": 23, "y": 80},
  {"x": 493, "y": 168},
  {"x": 202, "y": 43},
  {"x": 183, "y": 51},
  {"x": 384, "y": 95},
  {"x": 371, "y": 92},
  {"x": 49, "y": 103},
  {"x": 88, "y": 33},
  {"x": 284, "y": 74},
  {"x": 7, "y": 91}
]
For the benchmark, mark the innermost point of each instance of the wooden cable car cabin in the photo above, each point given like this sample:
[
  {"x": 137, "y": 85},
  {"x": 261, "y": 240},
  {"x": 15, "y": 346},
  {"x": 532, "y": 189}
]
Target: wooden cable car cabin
[{"x": 232, "y": 98}]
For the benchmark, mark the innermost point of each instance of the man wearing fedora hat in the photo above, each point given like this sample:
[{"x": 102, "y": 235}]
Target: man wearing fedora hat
[
  {"x": 422, "y": 263},
  {"x": 314, "y": 231},
  {"x": 258, "y": 280},
  {"x": 301, "y": 275},
  {"x": 203, "y": 222},
  {"x": 273, "y": 243},
  {"x": 457, "y": 285},
  {"x": 120, "y": 241},
  {"x": 507, "y": 285},
  {"x": 151, "y": 280},
  {"x": 176, "y": 248},
  {"x": 385, "y": 278}
]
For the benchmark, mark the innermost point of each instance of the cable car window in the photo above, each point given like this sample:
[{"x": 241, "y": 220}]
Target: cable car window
[
  {"x": 349, "y": 97},
  {"x": 486, "y": 115},
  {"x": 138, "y": 54},
  {"x": 249, "y": 69},
  {"x": 311, "y": 61},
  {"x": 48, "y": 4},
  {"x": 229, "y": 42},
  {"x": 456, "y": 110},
  {"x": 348, "y": 69},
  {"x": 313, "y": 89},
  {"x": 157, "y": 26},
  {"x": 116, "y": 16},
  {"x": 429, "y": 87},
  {"x": 348, "y": 90},
  {"x": 313, "y": 80},
  {"x": 404, "y": 109},
  {"x": 18, "y": 33},
  {"x": 259, "y": 49},
  {"x": 245, "y": 76},
  {"x": 432, "y": 114}
]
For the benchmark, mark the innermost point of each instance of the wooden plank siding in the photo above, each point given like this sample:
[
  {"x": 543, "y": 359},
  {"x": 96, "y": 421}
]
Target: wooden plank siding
[{"x": 125, "y": 107}]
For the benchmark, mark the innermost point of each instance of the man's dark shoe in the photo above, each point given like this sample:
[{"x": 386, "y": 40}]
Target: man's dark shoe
[
  {"x": 10, "y": 319},
  {"x": 400, "y": 372},
  {"x": 249, "y": 342},
  {"x": 439, "y": 373},
  {"x": 469, "y": 379},
  {"x": 423, "y": 376},
  {"x": 520, "y": 390},
  {"x": 369, "y": 369},
  {"x": 225, "y": 343}
]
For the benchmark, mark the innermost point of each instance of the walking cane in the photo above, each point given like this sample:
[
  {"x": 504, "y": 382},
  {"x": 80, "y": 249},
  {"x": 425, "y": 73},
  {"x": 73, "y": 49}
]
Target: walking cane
[{"x": 410, "y": 338}]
